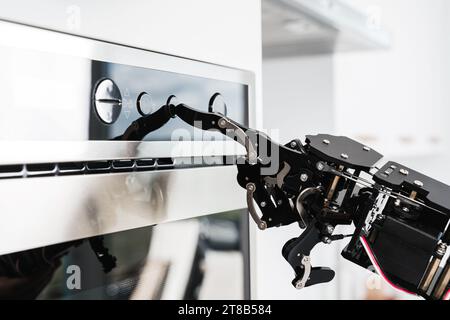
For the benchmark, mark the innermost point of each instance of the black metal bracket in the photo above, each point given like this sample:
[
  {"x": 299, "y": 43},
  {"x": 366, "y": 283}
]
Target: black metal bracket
[{"x": 297, "y": 252}]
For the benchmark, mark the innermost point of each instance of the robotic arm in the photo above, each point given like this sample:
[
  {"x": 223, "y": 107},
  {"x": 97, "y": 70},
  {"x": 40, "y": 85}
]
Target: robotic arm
[{"x": 401, "y": 217}]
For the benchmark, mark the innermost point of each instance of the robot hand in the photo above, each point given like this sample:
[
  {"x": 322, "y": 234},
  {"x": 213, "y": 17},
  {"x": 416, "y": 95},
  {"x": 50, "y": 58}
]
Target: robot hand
[{"x": 400, "y": 216}]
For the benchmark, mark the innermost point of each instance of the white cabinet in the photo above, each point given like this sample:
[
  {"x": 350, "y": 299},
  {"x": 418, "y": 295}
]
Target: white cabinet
[{"x": 397, "y": 100}]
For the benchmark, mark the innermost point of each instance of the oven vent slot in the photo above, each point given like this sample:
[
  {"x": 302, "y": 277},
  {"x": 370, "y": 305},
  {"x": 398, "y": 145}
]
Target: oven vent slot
[
  {"x": 98, "y": 166},
  {"x": 144, "y": 164},
  {"x": 123, "y": 165},
  {"x": 31, "y": 170},
  {"x": 84, "y": 167},
  {"x": 12, "y": 171},
  {"x": 41, "y": 169},
  {"x": 164, "y": 162},
  {"x": 71, "y": 167}
]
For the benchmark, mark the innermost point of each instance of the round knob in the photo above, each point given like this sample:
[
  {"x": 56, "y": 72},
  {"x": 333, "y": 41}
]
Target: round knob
[
  {"x": 107, "y": 101},
  {"x": 217, "y": 104},
  {"x": 145, "y": 104},
  {"x": 172, "y": 100}
]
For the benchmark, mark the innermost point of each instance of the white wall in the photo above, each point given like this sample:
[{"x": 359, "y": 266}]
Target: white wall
[{"x": 298, "y": 96}]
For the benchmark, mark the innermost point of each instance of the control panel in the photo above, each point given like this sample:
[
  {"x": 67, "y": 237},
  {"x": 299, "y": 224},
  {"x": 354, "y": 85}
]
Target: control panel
[
  {"x": 122, "y": 94},
  {"x": 92, "y": 102}
]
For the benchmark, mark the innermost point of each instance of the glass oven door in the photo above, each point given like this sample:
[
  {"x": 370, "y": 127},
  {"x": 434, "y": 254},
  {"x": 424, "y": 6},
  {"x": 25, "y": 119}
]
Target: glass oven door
[{"x": 198, "y": 258}]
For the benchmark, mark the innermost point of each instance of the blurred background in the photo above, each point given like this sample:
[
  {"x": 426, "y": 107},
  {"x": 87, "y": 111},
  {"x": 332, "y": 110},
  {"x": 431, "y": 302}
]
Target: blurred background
[{"x": 375, "y": 70}]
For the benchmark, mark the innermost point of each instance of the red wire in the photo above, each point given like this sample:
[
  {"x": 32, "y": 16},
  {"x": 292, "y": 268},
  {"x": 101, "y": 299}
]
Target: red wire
[
  {"x": 378, "y": 268},
  {"x": 447, "y": 295}
]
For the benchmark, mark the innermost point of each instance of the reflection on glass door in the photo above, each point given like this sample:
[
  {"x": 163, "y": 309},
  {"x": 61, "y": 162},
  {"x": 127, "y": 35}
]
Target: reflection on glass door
[{"x": 200, "y": 258}]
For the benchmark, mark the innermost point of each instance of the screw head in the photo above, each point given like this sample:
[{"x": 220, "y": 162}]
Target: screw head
[
  {"x": 397, "y": 203},
  {"x": 326, "y": 141},
  {"x": 330, "y": 229},
  {"x": 404, "y": 172},
  {"x": 405, "y": 209},
  {"x": 262, "y": 225},
  {"x": 263, "y": 204},
  {"x": 279, "y": 202},
  {"x": 304, "y": 177},
  {"x": 366, "y": 148},
  {"x": 320, "y": 166},
  {"x": 344, "y": 156},
  {"x": 222, "y": 123},
  {"x": 299, "y": 285},
  {"x": 326, "y": 240},
  {"x": 250, "y": 187},
  {"x": 293, "y": 144},
  {"x": 418, "y": 183}
]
